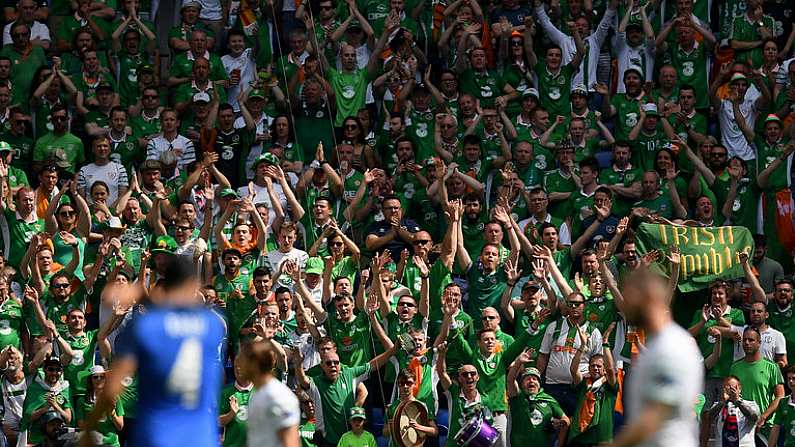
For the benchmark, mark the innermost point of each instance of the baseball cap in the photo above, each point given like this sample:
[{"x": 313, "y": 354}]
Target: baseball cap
[
  {"x": 314, "y": 266},
  {"x": 164, "y": 244},
  {"x": 151, "y": 165},
  {"x": 229, "y": 192},
  {"x": 532, "y": 91},
  {"x": 104, "y": 86},
  {"x": 189, "y": 4},
  {"x": 579, "y": 89},
  {"x": 634, "y": 25},
  {"x": 231, "y": 250},
  {"x": 5, "y": 147},
  {"x": 530, "y": 371},
  {"x": 650, "y": 109},
  {"x": 738, "y": 77},
  {"x": 256, "y": 93},
  {"x": 201, "y": 97},
  {"x": 531, "y": 285},
  {"x": 634, "y": 68},
  {"x": 50, "y": 416},
  {"x": 357, "y": 412},
  {"x": 145, "y": 67},
  {"x": 52, "y": 361},
  {"x": 266, "y": 158}
]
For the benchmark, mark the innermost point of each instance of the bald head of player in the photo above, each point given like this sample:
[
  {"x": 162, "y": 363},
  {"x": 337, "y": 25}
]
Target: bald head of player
[{"x": 646, "y": 300}]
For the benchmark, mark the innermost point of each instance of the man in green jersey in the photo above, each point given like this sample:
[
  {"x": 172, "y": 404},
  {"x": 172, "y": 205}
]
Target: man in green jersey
[
  {"x": 233, "y": 408},
  {"x": 476, "y": 79},
  {"x": 654, "y": 199},
  {"x": 350, "y": 83},
  {"x": 535, "y": 415},
  {"x": 690, "y": 58},
  {"x": 554, "y": 78},
  {"x": 334, "y": 390},
  {"x": 626, "y": 106},
  {"x": 26, "y": 58},
  {"x": 182, "y": 66},
  {"x": 59, "y": 144},
  {"x": 749, "y": 32},
  {"x": 761, "y": 380},
  {"x": 647, "y": 136}
]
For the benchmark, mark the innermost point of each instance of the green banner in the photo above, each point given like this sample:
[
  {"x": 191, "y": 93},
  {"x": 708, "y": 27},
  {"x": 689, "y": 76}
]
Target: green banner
[{"x": 707, "y": 253}]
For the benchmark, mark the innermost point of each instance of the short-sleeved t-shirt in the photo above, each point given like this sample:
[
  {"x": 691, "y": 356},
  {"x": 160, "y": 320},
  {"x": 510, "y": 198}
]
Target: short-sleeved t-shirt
[
  {"x": 350, "y": 90},
  {"x": 354, "y": 344},
  {"x": 336, "y": 398},
  {"x": 759, "y": 380},
  {"x": 706, "y": 342},
  {"x": 785, "y": 417},
  {"x": 532, "y": 416},
  {"x": 235, "y": 430}
]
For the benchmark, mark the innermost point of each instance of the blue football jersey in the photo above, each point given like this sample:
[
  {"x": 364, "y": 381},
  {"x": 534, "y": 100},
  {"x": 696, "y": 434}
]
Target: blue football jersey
[{"x": 177, "y": 351}]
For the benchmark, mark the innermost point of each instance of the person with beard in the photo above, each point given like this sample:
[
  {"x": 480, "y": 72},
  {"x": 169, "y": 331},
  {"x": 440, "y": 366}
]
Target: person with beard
[
  {"x": 653, "y": 198},
  {"x": 667, "y": 375},
  {"x": 538, "y": 200},
  {"x": 772, "y": 344},
  {"x": 14, "y": 385},
  {"x": 46, "y": 393},
  {"x": 625, "y": 106},
  {"x": 770, "y": 271},
  {"x": 335, "y": 390},
  {"x": 743, "y": 103},
  {"x": 537, "y": 418},
  {"x": 533, "y": 311},
  {"x": 395, "y": 232},
  {"x": 233, "y": 288},
  {"x": 230, "y": 143}
]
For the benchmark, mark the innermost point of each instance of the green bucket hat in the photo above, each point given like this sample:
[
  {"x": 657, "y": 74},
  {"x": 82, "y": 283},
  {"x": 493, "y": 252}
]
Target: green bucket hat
[
  {"x": 5, "y": 147},
  {"x": 229, "y": 192},
  {"x": 164, "y": 244}
]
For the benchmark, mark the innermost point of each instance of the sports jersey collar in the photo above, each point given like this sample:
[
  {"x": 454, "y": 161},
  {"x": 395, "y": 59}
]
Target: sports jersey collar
[
  {"x": 467, "y": 403},
  {"x": 627, "y": 169},
  {"x": 32, "y": 217},
  {"x": 695, "y": 48},
  {"x": 240, "y": 387},
  {"x": 554, "y": 75},
  {"x": 547, "y": 218},
  {"x": 206, "y": 55}
]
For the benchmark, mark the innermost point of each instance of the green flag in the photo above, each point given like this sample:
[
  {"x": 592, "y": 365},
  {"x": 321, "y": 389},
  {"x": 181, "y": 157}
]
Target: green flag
[{"x": 707, "y": 253}]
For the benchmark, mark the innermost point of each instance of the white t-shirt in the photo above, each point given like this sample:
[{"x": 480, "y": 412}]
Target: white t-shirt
[
  {"x": 38, "y": 31},
  {"x": 773, "y": 343},
  {"x": 113, "y": 174},
  {"x": 731, "y": 135},
  {"x": 642, "y": 56},
  {"x": 275, "y": 259},
  {"x": 13, "y": 398},
  {"x": 248, "y": 70},
  {"x": 560, "y": 355},
  {"x": 270, "y": 409},
  {"x": 181, "y": 145},
  {"x": 263, "y": 127},
  {"x": 670, "y": 371}
]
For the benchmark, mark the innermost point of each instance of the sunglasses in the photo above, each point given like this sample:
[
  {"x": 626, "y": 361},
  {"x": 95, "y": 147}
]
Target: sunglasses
[
  {"x": 183, "y": 228},
  {"x": 332, "y": 362},
  {"x": 60, "y": 286},
  {"x": 98, "y": 377},
  {"x": 336, "y": 244},
  {"x": 150, "y": 97},
  {"x": 54, "y": 369},
  {"x": 66, "y": 213},
  {"x": 469, "y": 373},
  {"x": 488, "y": 317},
  {"x": 351, "y": 127},
  {"x": 405, "y": 304},
  {"x": 59, "y": 118},
  {"x": 516, "y": 43},
  {"x": 576, "y": 303},
  {"x": 422, "y": 242}
]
